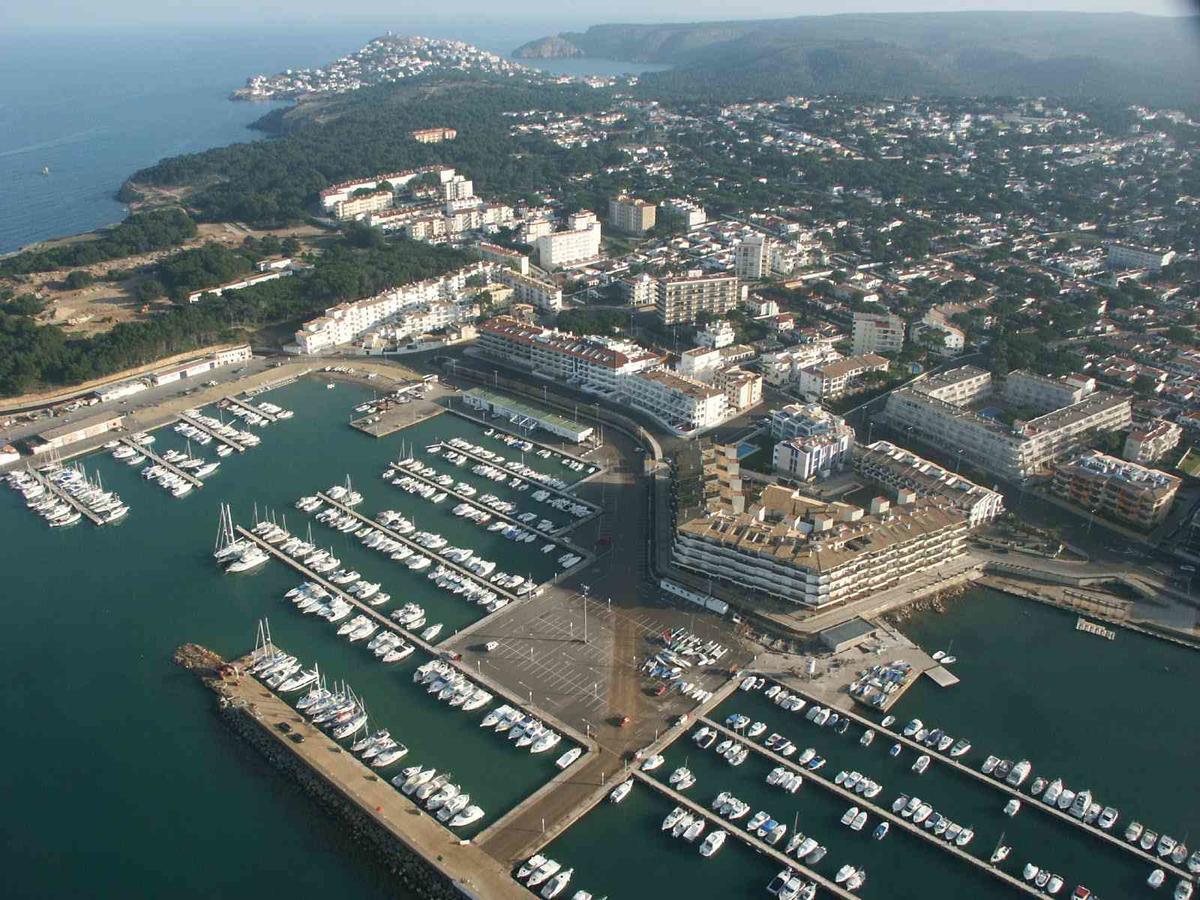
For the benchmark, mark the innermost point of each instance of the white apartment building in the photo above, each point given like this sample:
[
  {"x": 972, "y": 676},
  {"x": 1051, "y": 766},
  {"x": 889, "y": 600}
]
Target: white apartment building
[
  {"x": 358, "y": 207},
  {"x": 638, "y": 290},
  {"x": 1123, "y": 256},
  {"x": 699, "y": 362},
  {"x": 946, "y": 340},
  {"x": 680, "y": 299},
  {"x": 828, "y": 381},
  {"x": 1023, "y": 388},
  {"x": 683, "y": 404},
  {"x": 458, "y": 188},
  {"x": 580, "y": 241},
  {"x": 877, "y": 333},
  {"x": 687, "y": 212},
  {"x": 1016, "y": 451},
  {"x": 340, "y": 192},
  {"x": 894, "y": 467},
  {"x": 752, "y": 257},
  {"x": 783, "y": 369},
  {"x": 343, "y": 323},
  {"x": 716, "y": 334},
  {"x": 545, "y": 295},
  {"x": 962, "y": 385},
  {"x": 1149, "y": 444},
  {"x": 809, "y": 440},
  {"x": 513, "y": 259}
]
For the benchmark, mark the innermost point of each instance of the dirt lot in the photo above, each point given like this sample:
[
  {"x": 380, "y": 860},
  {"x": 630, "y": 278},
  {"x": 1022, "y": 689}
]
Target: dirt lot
[{"x": 100, "y": 306}]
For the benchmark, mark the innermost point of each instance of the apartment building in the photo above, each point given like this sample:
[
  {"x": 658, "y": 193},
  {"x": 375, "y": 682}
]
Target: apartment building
[
  {"x": 1150, "y": 443},
  {"x": 433, "y": 135},
  {"x": 877, "y": 333},
  {"x": 680, "y": 299},
  {"x": 716, "y": 334},
  {"x": 814, "y": 553},
  {"x": 887, "y": 465},
  {"x": 545, "y": 295},
  {"x": 1116, "y": 489},
  {"x": 512, "y": 259},
  {"x": 590, "y": 363},
  {"x": 686, "y": 212},
  {"x": 1123, "y": 256},
  {"x": 458, "y": 188},
  {"x": 743, "y": 389},
  {"x": 631, "y": 216},
  {"x": 683, "y": 404},
  {"x": 343, "y": 323},
  {"x": 828, "y": 381},
  {"x": 752, "y": 257},
  {"x": 943, "y": 339},
  {"x": 1043, "y": 393},
  {"x": 638, "y": 290},
  {"x": 960, "y": 386},
  {"x": 356, "y": 207},
  {"x": 783, "y": 369},
  {"x": 699, "y": 362},
  {"x": 809, "y": 440},
  {"x": 337, "y": 193},
  {"x": 1017, "y": 451},
  {"x": 579, "y": 241}
]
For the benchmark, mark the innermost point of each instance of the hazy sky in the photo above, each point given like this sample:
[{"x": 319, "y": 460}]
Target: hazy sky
[{"x": 555, "y": 14}]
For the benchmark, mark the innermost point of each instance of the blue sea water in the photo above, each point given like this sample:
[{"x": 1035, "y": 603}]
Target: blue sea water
[{"x": 94, "y": 107}]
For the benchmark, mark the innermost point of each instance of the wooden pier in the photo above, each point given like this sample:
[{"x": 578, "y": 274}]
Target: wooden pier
[
  {"x": 1027, "y": 800},
  {"x": 886, "y": 814},
  {"x": 548, "y": 537},
  {"x": 419, "y": 548},
  {"x": 736, "y": 830},
  {"x": 213, "y": 433},
  {"x": 249, "y": 407},
  {"x": 170, "y": 467},
  {"x": 65, "y": 497}
]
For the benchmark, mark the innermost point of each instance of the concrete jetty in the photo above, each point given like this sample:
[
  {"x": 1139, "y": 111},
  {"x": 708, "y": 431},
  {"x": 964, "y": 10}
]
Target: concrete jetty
[
  {"x": 251, "y": 408},
  {"x": 1027, "y": 800},
  {"x": 467, "y": 869},
  {"x": 418, "y": 548},
  {"x": 884, "y": 813},
  {"x": 736, "y": 830},
  {"x": 65, "y": 497},
  {"x": 213, "y": 433},
  {"x": 170, "y": 467}
]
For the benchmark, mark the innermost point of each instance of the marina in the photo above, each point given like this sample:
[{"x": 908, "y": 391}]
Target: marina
[
  {"x": 250, "y": 410},
  {"x": 214, "y": 609},
  {"x": 232, "y": 443},
  {"x": 145, "y": 450},
  {"x": 49, "y": 485}
]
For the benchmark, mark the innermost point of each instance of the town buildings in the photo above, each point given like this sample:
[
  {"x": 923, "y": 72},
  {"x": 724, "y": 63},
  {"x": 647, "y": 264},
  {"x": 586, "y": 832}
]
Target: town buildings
[
  {"x": 1150, "y": 443},
  {"x": 809, "y": 440},
  {"x": 831, "y": 380},
  {"x": 877, "y": 333},
  {"x": 434, "y": 135},
  {"x": 886, "y": 465},
  {"x": 805, "y": 551},
  {"x": 687, "y": 213},
  {"x": 1123, "y": 491},
  {"x": 681, "y": 403},
  {"x": 630, "y": 215},
  {"x": 681, "y": 299},
  {"x": 408, "y": 310},
  {"x": 579, "y": 241},
  {"x": 935, "y": 411},
  {"x": 752, "y": 258},
  {"x": 783, "y": 369},
  {"x": 1123, "y": 256}
]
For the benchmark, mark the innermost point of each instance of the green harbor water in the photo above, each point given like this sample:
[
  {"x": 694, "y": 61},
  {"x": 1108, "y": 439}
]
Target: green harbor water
[
  {"x": 1114, "y": 717},
  {"x": 119, "y": 779}
]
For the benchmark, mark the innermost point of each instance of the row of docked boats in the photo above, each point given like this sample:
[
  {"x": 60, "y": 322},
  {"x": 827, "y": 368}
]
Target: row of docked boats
[
  {"x": 876, "y": 685},
  {"x": 788, "y": 885},
  {"x": 213, "y": 425},
  {"x": 804, "y": 848},
  {"x": 433, "y": 790},
  {"x": 937, "y": 739},
  {"x": 500, "y": 469},
  {"x": 451, "y": 686},
  {"x": 680, "y": 823},
  {"x": 923, "y": 813},
  {"x": 859, "y": 783},
  {"x": 547, "y": 878},
  {"x": 526, "y": 731},
  {"x": 48, "y": 497}
]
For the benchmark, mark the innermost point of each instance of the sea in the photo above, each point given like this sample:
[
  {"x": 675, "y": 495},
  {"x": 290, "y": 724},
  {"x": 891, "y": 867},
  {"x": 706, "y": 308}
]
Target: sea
[{"x": 92, "y": 107}]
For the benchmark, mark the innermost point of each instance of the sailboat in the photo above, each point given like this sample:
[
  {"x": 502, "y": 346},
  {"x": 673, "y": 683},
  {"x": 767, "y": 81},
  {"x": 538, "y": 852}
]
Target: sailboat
[{"x": 1001, "y": 852}]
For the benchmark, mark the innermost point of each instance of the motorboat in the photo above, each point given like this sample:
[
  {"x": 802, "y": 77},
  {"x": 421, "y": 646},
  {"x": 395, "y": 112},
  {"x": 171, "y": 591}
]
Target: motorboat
[
  {"x": 1012, "y": 807},
  {"x": 921, "y": 764},
  {"x": 621, "y": 791},
  {"x": 713, "y": 843},
  {"x": 1156, "y": 878}
]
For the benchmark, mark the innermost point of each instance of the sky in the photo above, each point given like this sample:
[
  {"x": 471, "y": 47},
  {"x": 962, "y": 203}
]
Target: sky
[{"x": 555, "y": 14}]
